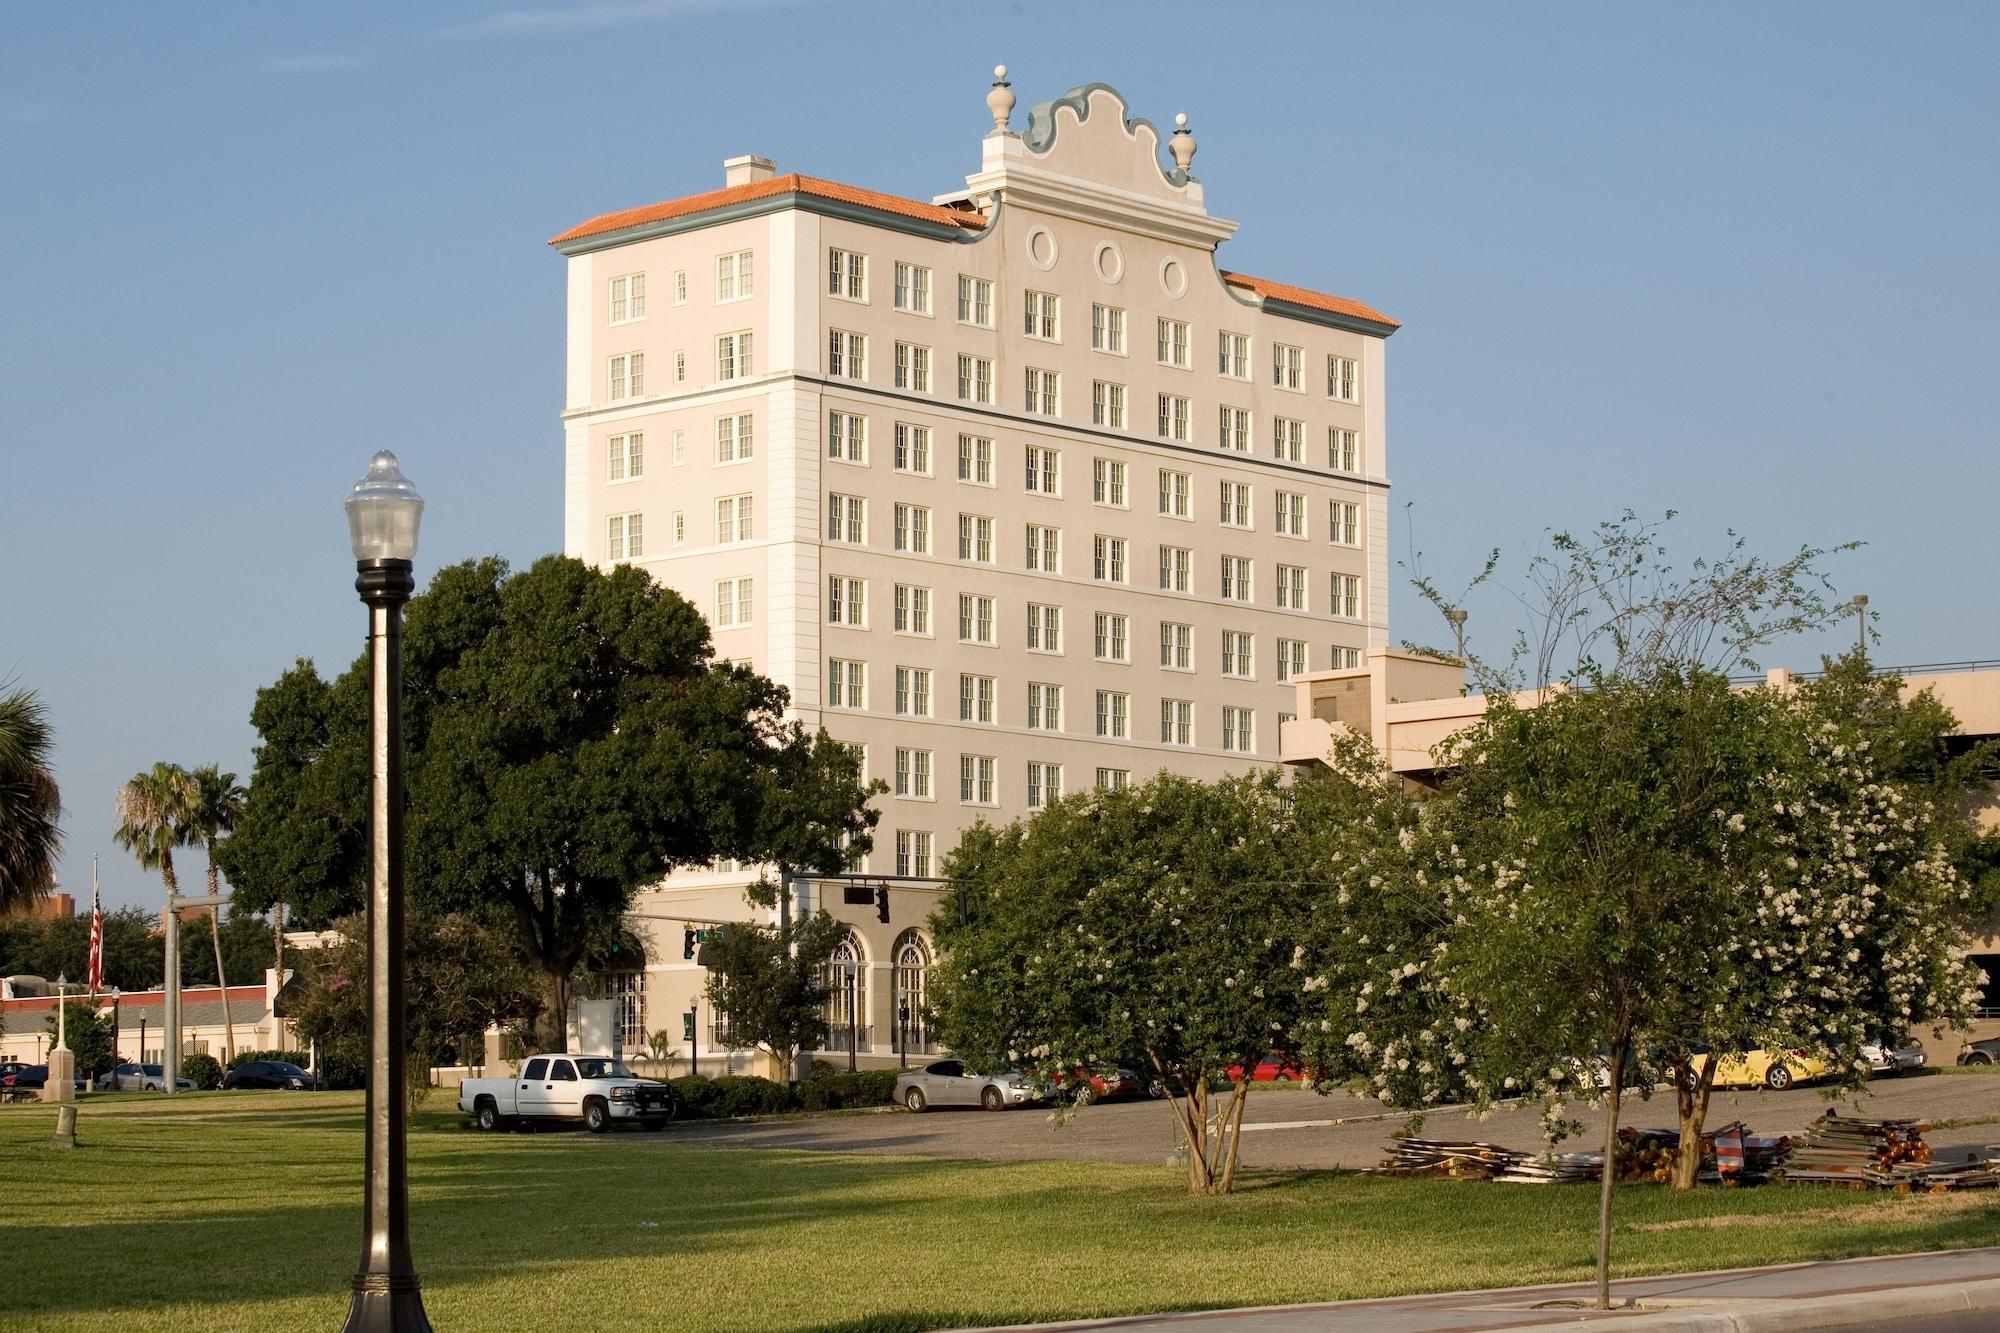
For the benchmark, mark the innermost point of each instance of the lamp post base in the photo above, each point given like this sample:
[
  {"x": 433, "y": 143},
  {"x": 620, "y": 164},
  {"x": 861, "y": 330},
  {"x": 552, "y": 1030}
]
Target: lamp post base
[{"x": 387, "y": 1303}]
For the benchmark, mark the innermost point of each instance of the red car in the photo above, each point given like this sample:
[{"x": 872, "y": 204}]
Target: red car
[
  {"x": 1102, "y": 1084},
  {"x": 1277, "y": 1067}
]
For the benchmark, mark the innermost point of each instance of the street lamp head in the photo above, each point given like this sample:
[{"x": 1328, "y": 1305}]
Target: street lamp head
[
  {"x": 1860, "y": 601},
  {"x": 383, "y": 513}
]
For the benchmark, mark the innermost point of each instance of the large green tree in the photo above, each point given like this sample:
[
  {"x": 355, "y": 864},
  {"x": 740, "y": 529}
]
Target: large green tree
[
  {"x": 30, "y": 804},
  {"x": 770, "y": 982},
  {"x": 570, "y": 739},
  {"x": 60, "y": 946},
  {"x": 89, "y": 1034}
]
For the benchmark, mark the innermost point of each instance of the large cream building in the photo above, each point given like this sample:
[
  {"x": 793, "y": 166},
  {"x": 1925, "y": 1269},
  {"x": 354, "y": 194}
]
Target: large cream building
[{"x": 1017, "y": 489}]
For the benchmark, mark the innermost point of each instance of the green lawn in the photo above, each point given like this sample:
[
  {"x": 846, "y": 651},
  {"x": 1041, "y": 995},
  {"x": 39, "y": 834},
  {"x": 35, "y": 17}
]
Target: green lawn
[{"x": 241, "y": 1211}]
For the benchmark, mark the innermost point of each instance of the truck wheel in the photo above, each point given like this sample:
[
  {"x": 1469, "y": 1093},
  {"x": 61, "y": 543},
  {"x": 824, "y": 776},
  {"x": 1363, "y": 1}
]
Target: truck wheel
[
  {"x": 596, "y": 1116},
  {"x": 914, "y": 1099},
  {"x": 487, "y": 1115},
  {"x": 992, "y": 1100}
]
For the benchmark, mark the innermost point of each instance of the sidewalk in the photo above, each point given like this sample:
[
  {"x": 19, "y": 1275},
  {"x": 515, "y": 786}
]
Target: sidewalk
[{"x": 1891, "y": 1289}]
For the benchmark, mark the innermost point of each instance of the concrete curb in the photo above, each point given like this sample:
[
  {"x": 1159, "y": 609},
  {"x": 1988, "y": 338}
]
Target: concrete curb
[{"x": 1878, "y": 1308}]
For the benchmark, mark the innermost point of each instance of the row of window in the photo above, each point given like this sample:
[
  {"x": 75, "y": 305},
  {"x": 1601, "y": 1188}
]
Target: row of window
[
  {"x": 1113, "y": 715},
  {"x": 735, "y": 280},
  {"x": 735, "y": 359}
]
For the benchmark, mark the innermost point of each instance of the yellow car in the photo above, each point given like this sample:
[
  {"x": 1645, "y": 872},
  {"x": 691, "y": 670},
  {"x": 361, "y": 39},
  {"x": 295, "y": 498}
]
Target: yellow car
[{"x": 1776, "y": 1070}]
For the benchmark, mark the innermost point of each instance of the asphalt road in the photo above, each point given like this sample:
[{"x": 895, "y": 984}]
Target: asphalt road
[{"x": 1288, "y": 1128}]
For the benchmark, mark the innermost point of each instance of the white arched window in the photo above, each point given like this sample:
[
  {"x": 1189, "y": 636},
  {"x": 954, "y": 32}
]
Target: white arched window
[
  {"x": 846, "y": 978},
  {"x": 911, "y": 983}
]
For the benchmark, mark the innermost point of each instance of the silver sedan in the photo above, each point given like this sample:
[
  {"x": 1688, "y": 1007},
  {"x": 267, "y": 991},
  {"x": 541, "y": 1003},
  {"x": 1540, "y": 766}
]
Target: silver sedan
[{"x": 948, "y": 1083}]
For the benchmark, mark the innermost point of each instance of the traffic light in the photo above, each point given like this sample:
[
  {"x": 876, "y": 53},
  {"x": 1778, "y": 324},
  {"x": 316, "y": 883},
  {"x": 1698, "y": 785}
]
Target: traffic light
[
  {"x": 687, "y": 942},
  {"x": 882, "y": 904}
]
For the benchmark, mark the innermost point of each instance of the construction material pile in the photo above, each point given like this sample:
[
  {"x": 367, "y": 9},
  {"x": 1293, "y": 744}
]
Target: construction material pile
[
  {"x": 1734, "y": 1156},
  {"x": 1566, "y": 1168},
  {"x": 1449, "y": 1159},
  {"x": 1858, "y": 1153}
]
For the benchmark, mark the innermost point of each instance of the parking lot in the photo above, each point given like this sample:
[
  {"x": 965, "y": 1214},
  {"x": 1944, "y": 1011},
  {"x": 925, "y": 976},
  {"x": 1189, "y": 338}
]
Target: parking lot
[{"x": 1289, "y": 1128}]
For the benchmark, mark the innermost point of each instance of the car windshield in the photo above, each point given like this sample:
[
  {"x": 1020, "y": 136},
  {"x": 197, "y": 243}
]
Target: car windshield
[{"x": 603, "y": 1069}]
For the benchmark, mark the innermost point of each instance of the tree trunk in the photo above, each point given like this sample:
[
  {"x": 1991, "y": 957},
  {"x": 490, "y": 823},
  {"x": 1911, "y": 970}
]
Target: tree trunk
[
  {"x": 551, "y": 1030},
  {"x": 1233, "y": 1118},
  {"x": 221, "y": 980},
  {"x": 1193, "y": 1113},
  {"x": 1617, "y": 1072},
  {"x": 1691, "y": 1093}
]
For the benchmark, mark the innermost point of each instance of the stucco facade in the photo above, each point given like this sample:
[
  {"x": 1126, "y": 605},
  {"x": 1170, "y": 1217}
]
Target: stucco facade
[{"x": 1164, "y": 513}]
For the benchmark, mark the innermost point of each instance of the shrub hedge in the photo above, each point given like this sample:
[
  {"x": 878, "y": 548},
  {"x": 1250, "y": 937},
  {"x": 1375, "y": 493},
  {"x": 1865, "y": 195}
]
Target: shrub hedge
[
  {"x": 302, "y": 1059},
  {"x": 705, "y": 1098},
  {"x": 205, "y": 1070}
]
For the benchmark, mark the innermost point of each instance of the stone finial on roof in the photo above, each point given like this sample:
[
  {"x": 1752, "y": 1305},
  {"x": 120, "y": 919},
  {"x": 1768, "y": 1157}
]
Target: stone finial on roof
[
  {"x": 1001, "y": 100},
  {"x": 1182, "y": 144}
]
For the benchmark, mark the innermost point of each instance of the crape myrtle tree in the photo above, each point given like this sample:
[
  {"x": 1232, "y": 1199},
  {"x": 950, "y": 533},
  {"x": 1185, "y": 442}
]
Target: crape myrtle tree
[
  {"x": 1153, "y": 924},
  {"x": 570, "y": 738},
  {"x": 771, "y": 982}
]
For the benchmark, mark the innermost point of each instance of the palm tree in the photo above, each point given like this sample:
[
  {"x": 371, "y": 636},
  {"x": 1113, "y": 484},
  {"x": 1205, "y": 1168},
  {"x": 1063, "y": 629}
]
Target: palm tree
[
  {"x": 153, "y": 811},
  {"x": 29, "y": 802},
  {"x": 218, "y": 804}
]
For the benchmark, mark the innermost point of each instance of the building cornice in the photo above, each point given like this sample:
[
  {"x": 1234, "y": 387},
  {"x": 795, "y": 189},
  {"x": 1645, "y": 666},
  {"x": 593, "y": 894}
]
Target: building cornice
[{"x": 776, "y": 203}]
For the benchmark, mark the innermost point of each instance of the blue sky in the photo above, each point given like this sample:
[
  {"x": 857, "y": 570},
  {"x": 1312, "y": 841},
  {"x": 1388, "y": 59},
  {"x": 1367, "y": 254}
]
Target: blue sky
[{"x": 1734, "y": 260}]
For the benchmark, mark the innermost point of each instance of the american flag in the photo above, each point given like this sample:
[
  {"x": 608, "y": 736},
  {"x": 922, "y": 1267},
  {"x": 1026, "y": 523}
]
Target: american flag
[{"x": 96, "y": 936}]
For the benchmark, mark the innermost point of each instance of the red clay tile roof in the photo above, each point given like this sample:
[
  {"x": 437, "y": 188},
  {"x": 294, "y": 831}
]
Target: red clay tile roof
[
  {"x": 739, "y": 194},
  {"x": 1279, "y": 291}
]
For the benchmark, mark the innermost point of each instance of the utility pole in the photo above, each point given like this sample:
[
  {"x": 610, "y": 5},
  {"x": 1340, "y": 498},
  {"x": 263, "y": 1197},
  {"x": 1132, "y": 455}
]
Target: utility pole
[
  {"x": 170, "y": 1056},
  {"x": 1861, "y": 620}
]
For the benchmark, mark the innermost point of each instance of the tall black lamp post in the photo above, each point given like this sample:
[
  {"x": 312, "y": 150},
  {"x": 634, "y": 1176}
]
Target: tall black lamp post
[{"x": 382, "y": 516}]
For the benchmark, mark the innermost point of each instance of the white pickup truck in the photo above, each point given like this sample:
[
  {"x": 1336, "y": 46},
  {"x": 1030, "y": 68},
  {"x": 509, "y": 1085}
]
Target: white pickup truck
[{"x": 596, "y": 1089}]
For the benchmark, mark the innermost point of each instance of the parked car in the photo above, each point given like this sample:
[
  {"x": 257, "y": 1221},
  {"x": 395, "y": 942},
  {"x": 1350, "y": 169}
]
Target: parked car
[
  {"x": 595, "y": 1089},
  {"x": 32, "y": 1078},
  {"x": 949, "y": 1083},
  {"x": 133, "y": 1077},
  {"x": 1104, "y": 1083},
  {"x": 1776, "y": 1070},
  {"x": 1890, "y": 1056},
  {"x": 1981, "y": 1052},
  {"x": 281, "y": 1074},
  {"x": 1277, "y": 1067}
]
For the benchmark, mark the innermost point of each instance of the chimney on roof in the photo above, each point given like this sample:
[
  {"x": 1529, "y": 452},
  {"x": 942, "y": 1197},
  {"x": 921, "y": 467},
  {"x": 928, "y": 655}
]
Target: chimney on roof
[{"x": 747, "y": 170}]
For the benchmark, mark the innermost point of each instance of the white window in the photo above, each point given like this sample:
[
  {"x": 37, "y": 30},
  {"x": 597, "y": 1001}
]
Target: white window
[
  {"x": 975, "y": 698},
  {"x": 1044, "y": 548},
  {"x": 1107, "y": 405},
  {"x": 1113, "y": 637},
  {"x": 1236, "y": 504},
  {"x": 846, "y": 683},
  {"x": 735, "y": 276},
  {"x": 975, "y": 618},
  {"x": 1341, "y": 379},
  {"x": 913, "y": 853},
  {"x": 846, "y": 274},
  {"x": 1233, "y": 355},
  {"x": 975, "y": 779},
  {"x": 628, "y": 375},
  {"x": 846, "y": 355},
  {"x": 1114, "y": 715},
  {"x": 734, "y": 441},
  {"x": 913, "y": 691},
  {"x": 975, "y": 459},
  {"x": 625, "y": 458},
  {"x": 913, "y": 774},
  {"x": 1044, "y": 316},
  {"x": 1044, "y": 707},
  {"x": 1044, "y": 784},
  {"x": 1292, "y": 587},
  {"x": 1176, "y": 722},
  {"x": 732, "y": 602},
  {"x": 846, "y": 601},
  {"x": 975, "y": 538},
  {"x": 847, "y": 437},
  {"x": 913, "y": 288},
  {"x": 1239, "y": 729},
  {"x": 1291, "y": 514},
  {"x": 1176, "y": 646},
  {"x": 1288, "y": 366},
  {"x": 1044, "y": 628},
  {"x": 1343, "y": 523},
  {"x": 1235, "y": 430},
  {"x": 913, "y": 529},
  {"x": 1044, "y": 393},
  {"x": 733, "y": 356},
  {"x": 847, "y": 519},
  {"x": 1291, "y": 658},
  {"x": 1108, "y": 559},
  {"x": 913, "y": 448},
  {"x": 732, "y": 519},
  {"x": 1343, "y": 450},
  {"x": 1177, "y": 568},
  {"x": 625, "y": 536},
  {"x": 1044, "y": 470},
  {"x": 680, "y": 286},
  {"x": 1113, "y": 779},
  {"x": 1236, "y": 579},
  {"x": 1346, "y": 659},
  {"x": 680, "y": 527},
  {"x": 1346, "y": 595},
  {"x": 1176, "y": 416},
  {"x": 975, "y": 301},
  {"x": 975, "y": 379},
  {"x": 1288, "y": 440},
  {"x": 1173, "y": 343},
  {"x": 1107, "y": 482},
  {"x": 913, "y": 368},
  {"x": 628, "y": 298},
  {"x": 680, "y": 367},
  {"x": 1237, "y": 650},
  {"x": 913, "y": 609},
  {"x": 1176, "y": 494},
  {"x": 1107, "y": 329},
  {"x": 680, "y": 449}
]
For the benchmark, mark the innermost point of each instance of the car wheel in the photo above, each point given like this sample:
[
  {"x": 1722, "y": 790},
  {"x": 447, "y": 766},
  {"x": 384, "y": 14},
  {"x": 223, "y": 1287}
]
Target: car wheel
[
  {"x": 992, "y": 1100},
  {"x": 488, "y": 1117},
  {"x": 1777, "y": 1078},
  {"x": 596, "y": 1116},
  {"x": 914, "y": 1099},
  {"x": 1157, "y": 1089},
  {"x": 1085, "y": 1095},
  {"x": 1979, "y": 1058}
]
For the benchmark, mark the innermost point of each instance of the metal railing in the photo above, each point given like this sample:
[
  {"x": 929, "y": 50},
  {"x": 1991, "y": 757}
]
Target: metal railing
[{"x": 1916, "y": 669}]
